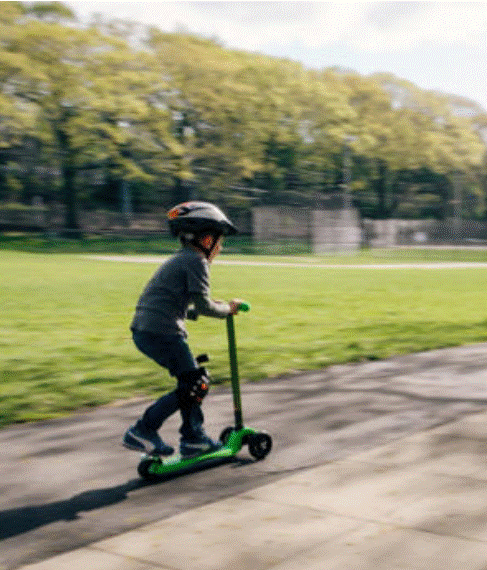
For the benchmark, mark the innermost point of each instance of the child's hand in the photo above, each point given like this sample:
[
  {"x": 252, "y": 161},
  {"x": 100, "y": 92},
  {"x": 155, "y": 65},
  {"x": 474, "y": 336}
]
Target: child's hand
[{"x": 235, "y": 306}]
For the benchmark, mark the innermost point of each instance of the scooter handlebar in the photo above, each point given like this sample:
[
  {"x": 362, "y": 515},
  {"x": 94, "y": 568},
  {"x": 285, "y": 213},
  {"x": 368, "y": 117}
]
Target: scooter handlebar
[{"x": 244, "y": 307}]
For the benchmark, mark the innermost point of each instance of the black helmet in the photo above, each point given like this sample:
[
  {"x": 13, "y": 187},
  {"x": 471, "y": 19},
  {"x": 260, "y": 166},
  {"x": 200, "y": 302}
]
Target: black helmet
[{"x": 196, "y": 218}]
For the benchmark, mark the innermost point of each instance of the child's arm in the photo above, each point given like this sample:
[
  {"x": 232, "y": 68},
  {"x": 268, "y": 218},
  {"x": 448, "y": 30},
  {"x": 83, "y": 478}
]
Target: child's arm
[{"x": 203, "y": 305}]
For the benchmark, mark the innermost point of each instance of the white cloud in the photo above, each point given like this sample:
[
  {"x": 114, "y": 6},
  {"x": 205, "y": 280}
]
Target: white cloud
[
  {"x": 441, "y": 45},
  {"x": 367, "y": 25},
  {"x": 429, "y": 22},
  {"x": 370, "y": 26}
]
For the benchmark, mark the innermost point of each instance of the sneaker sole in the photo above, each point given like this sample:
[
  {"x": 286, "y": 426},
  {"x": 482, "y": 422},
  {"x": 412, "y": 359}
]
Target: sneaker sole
[
  {"x": 134, "y": 447},
  {"x": 143, "y": 447},
  {"x": 163, "y": 454},
  {"x": 144, "y": 450},
  {"x": 197, "y": 452},
  {"x": 191, "y": 455}
]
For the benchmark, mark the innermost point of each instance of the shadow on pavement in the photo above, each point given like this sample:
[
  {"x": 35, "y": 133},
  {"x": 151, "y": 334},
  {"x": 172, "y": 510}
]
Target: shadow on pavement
[{"x": 24, "y": 519}]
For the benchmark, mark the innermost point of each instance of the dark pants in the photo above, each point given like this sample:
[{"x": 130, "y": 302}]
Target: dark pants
[{"x": 171, "y": 352}]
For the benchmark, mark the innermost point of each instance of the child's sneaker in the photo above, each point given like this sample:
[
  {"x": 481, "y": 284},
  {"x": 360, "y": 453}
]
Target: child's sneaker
[
  {"x": 144, "y": 440},
  {"x": 192, "y": 448}
]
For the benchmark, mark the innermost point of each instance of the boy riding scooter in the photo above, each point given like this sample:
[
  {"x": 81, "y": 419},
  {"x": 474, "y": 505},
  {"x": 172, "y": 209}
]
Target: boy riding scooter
[{"x": 180, "y": 289}]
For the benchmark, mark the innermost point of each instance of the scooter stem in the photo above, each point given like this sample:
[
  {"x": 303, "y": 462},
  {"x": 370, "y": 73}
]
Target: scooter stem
[{"x": 232, "y": 352}]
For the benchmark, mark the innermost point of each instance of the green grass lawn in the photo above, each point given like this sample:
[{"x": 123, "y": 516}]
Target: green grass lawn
[{"x": 65, "y": 341}]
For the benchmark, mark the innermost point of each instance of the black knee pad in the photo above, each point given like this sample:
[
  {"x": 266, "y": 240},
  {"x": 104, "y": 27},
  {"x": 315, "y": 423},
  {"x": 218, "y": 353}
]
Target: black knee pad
[{"x": 193, "y": 386}]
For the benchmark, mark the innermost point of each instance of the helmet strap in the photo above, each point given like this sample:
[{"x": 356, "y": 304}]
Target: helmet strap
[{"x": 207, "y": 251}]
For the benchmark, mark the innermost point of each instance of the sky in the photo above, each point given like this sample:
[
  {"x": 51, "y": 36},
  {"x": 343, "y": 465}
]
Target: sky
[{"x": 439, "y": 46}]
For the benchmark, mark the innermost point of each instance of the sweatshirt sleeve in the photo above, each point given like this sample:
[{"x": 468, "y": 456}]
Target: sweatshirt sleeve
[
  {"x": 205, "y": 306},
  {"x": 198, "y": 284}
]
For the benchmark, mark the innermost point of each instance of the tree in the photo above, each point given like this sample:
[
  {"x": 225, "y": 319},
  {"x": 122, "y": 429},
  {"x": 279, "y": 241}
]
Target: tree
[
  {"x": 94, "y": 100},
  {"x": 398, "y": 129}
]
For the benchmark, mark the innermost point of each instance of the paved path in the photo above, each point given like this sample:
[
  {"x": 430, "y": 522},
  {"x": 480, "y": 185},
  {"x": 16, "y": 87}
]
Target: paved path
[
  {"x": 419, "y": 503},
  {"x": 354, "y": 479},
  {"x": 311, "y": 264}
]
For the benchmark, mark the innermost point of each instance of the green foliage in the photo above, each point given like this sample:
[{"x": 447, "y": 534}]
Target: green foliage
[
  {"x": 51, "y": 11},
  {"x": 181, "y": 116},
  {"x": 94, "y": 99}
]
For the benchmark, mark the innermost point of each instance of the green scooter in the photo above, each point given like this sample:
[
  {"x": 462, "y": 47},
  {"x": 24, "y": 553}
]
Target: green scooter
[{"x": 154, "y": 467}]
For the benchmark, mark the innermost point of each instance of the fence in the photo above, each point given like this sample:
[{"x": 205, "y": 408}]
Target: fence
[
  {"x": 453, "y": 231},
  {"x": 298, "y": 229}
]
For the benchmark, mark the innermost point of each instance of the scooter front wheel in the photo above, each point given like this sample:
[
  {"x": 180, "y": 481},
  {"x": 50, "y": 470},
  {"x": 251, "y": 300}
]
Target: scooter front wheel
[{"x": 260, "y": 445}]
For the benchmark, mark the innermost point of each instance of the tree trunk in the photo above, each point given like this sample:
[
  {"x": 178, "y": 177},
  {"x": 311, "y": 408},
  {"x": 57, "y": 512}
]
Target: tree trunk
[
  {"x": 68, "y": 172},
  {"x": 71, "y": 225},
  {"x": 381, "y": 190}
]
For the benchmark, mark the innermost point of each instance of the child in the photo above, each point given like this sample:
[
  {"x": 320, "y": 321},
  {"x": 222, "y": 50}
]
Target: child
[{"x": 180, "y": 289}]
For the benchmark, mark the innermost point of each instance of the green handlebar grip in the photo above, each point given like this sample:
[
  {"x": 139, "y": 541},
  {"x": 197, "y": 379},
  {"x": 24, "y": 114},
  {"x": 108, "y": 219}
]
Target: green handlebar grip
[{"x": 245, "y": 307}]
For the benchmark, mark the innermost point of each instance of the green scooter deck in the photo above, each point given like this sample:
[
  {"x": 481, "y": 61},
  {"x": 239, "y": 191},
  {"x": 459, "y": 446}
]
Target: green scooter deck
[{"x": 154, "y": 466}]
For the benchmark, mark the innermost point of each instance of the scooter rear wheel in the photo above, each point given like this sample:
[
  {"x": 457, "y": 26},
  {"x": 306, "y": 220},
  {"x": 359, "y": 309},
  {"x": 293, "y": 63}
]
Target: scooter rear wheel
[
  {"x": 143, "y": 469},
  {"x": 260, "y": 445},
  {"x": 225, "y": 434}
]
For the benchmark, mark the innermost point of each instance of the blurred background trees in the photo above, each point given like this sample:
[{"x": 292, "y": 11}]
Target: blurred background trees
[{"x": 116, "y": 112}]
